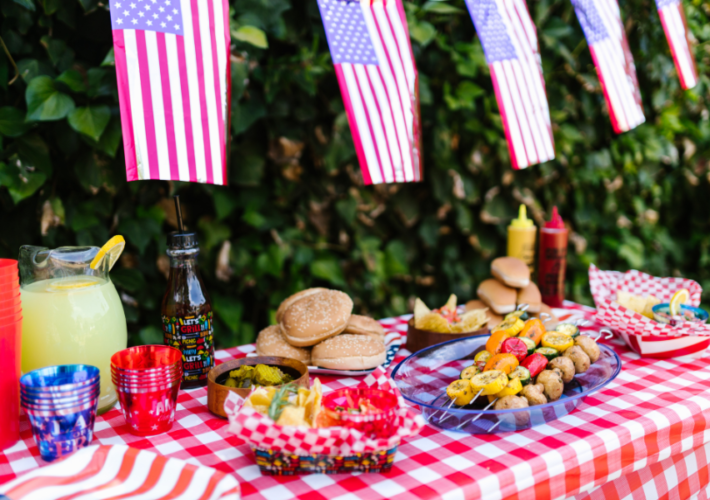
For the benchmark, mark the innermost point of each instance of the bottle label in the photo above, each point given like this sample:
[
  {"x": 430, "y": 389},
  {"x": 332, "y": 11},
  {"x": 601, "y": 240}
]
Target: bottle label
[{"x": 193, "y": 336}]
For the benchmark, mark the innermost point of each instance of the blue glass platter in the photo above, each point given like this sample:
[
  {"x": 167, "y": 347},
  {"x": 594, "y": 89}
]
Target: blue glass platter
[{"x": 423, "y": 377}]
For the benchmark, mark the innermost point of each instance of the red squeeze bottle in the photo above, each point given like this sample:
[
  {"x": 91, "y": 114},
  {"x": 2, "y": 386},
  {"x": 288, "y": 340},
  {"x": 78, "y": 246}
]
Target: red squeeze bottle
[{"x": 553, "y": 260}]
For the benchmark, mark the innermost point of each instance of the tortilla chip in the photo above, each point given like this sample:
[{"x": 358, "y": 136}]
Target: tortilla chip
[
  {"x": 420, "y": 309},
  {"x": 433, "y": 322},
  {"x": 292, "y": 415}
]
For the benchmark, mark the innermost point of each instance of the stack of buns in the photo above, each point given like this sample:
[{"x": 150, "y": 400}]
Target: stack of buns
[
  {"x": 510, "y": 286},
  {"x": 316, "y": 326}
]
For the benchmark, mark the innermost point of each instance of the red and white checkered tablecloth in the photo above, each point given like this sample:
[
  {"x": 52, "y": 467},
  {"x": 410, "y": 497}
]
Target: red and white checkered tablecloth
[{"x": 646, "y": 435}]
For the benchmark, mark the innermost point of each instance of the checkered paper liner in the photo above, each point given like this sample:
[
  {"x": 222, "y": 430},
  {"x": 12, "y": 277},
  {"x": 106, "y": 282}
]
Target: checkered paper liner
[
  {"x": 262, "y": 432},
  {"x": 605, "y": 285}
]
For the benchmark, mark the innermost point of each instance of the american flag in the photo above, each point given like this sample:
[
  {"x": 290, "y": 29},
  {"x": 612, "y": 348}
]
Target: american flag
[
  {"x": 510, "y": 43},
  {"x": 369, "y": 44},
  {"x": 172, "y": 65},
  {"x": 118, "y": 471},
  {"x": 602, "y": 26},
  {"x": 673, "y": 19}
]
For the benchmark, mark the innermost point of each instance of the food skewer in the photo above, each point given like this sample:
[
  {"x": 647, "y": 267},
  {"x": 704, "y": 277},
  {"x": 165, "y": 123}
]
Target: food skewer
[
  {"x": 452, "y": 402},
  {"x": 471, "y": 420},
  {"x": 494, "y": 426}
]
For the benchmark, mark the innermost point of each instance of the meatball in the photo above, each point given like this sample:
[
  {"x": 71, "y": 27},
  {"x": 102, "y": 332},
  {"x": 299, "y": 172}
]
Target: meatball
[
  {"x": 565, "y": 365},
  {"x": 534, "y": 394},
  {"x": 589, "y": 346},
  {"x": 552, "y": 381},
  {"x": 510, "y": 403},
  {"x": 579, "y": 358}
]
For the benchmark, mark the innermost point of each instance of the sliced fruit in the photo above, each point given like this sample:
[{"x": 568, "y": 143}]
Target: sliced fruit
[
  {"x": 522, "y": 374},
  {"x": 549, "y": 352},
  {"x": 679, "y": 298},
  {"x": 73, "y": 283},
  {"x": 491, "y": 382},
  {"x": 530, "y": 343},
  {"x": 111, "y": 250},
  {"x": 461, "y": 392},
  {"x": 502, "y": 362},
  {"x": 513, "y": 387},
  {"x": 568, "y": 329},
  {"x": 557, "y": 340},
  {"x": 470, "y": 372}
]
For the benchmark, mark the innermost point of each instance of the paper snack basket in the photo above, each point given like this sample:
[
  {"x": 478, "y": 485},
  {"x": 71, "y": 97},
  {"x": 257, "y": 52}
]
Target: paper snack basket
[
  {"x": 289, "y": 450},
  {"x": 644, "y": 335}
]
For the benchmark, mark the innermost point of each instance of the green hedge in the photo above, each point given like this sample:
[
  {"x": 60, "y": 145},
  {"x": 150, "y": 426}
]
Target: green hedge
[{"x": 296, "y": 213}]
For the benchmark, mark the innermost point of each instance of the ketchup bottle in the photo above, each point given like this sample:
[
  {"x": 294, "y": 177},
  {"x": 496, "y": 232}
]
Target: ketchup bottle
[
  {"x": 553, "y": 260},
  {"x": 187, "y": 309}
]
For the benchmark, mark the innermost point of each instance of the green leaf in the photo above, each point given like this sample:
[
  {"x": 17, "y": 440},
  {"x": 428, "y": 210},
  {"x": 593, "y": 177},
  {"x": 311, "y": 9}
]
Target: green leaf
[
  {"x": 251, "y": 35},
  {"x": 328, "y": 268},
  {"x": 34, "y": 153},
  {"x": 72, "y": 79},
  {"x": 151, "y": 335},
  {"x": 90, "y": 120},
  {"x": 12, "y": 122},
  {"x": 111, "y": 138},
  {"x": 439, "y": 7},
  {"x": 20, "y": 181},
  {"x": 229, "y": 310},
  {"x": 131, "y": 280},
  {"x": 214, "y": 233},
  {"x": 61, "y": 56},
  {"x": 422, "y": 32},
  {"x": 45, "y": 102},
  {"x": 27, "y": 4},
  {"x": 244, "y": 114},
  {"x": 224, "y": 202},
  {"x": 31, "y": 68},
  {"x": 110, "y": 59}
]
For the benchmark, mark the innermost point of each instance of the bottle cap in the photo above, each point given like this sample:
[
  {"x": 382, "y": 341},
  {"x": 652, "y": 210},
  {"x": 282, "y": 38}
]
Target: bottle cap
[
  {"x": 556, "y": 221},
  {"x": 522, "y": 221},
  {"x": 182, "y": 241}
]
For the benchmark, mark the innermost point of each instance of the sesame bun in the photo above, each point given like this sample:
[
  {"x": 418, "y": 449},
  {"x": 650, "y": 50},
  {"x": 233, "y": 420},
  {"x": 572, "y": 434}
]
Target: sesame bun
[
  {"x": 511, "y": 271},
  {"x": 362, "y": 325},
  {"x": 493, "y": 318},
  {"x": 293, "y": 298},
  {"x": 349, "y": 352},
  {"x": 530, "y": 295},
  {"x": 497, "y": 296},
  {"x": 316, "y": 317},
  {"x": 271, "y": 342}
]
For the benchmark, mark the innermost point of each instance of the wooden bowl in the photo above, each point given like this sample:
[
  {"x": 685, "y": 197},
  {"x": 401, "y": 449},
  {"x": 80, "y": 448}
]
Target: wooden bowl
[
  {"x": 421, "y": 339},
  {"x": 217, "y": 392}
]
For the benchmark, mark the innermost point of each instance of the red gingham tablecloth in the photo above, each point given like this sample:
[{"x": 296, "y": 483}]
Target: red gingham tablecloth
[{"x": 644, "y": 436}]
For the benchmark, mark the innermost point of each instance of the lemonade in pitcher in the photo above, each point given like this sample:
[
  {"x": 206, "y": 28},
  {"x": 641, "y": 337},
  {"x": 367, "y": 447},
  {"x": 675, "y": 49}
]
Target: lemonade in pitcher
[{"x": 72, "y": 313}]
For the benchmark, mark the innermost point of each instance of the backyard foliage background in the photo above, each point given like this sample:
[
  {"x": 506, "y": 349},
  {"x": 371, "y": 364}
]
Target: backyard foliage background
[{"x": 296, "y": 213}]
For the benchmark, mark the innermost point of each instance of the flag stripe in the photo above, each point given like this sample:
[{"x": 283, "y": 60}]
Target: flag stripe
[
  {"x": 151, "y": 152},
  {"x": 204, "y": 60},
  {"x": 193, "y": 87},
  {"x": 354, "y": 126},
  {"x": 198, "y": 484},
  {"x": 180, "y": 106},
  {"x": 363, "y": 124},
  {"x": 156, "y": 91},
  {"x": 133, "y": 467},
  {"x": 510, "y": 120},
  {"x": 609, "y": 93},
  {"x": 136, "y": 96},
  {"x": 386, "y": 113},
  {"x": 519, "y": 110},
  {"x": 675, "y": 28},
  {"x": 154, "y": 475},
  {"x": 168, "y": 109},
  {"x": 124, "y": 103},
  {"x": 218, "y": 85},
  {"x": 223, "y": 39}
]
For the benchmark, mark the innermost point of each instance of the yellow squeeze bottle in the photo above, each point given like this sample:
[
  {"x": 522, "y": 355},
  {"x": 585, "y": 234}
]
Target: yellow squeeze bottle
[{"x": 521, "y": 239}]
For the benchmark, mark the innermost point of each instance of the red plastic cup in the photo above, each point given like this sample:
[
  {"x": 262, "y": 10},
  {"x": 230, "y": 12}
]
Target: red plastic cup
[
  {"x": 150, "y": 412},
  {"x": 146, "y": 357},
  {"x": 338, "y": 403},
  {"x": 10, "y": 342},
  {"x": 10, "y": 296},
  {"x": 12, "y": 310},
  {"x": 8, "y": 267}
]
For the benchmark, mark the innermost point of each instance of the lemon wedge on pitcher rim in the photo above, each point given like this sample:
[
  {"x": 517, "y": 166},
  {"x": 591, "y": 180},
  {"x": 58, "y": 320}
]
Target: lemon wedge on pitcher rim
[
  {"x": 679, "y": 298},
  {"x": 111, "y": 250},
  {"x": 72, "y": 283}
]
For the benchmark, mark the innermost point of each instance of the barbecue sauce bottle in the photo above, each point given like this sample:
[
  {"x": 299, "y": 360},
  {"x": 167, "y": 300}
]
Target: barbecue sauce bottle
[{"x": 187, "y": 310}]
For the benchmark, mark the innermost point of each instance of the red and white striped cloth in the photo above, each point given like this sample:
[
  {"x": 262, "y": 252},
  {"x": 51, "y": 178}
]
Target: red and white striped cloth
[
  {"x": 119, "y": 472},
  {"x": 172, "y": 66},
  {"x": 372, "y": 55},
  {"x": 604, "y": 30},
  {"x": 510, "y": 43},
  {"x": 673, "y": 19}
]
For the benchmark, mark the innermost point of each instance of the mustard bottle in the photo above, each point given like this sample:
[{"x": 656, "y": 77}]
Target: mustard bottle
[{"x": 521, "y": 239}]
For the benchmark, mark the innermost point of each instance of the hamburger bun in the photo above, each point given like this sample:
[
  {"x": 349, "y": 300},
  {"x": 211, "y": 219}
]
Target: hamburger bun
[
  {"x": 349, "y": 352},
  {"x": 493, "y": 318},
  {"x": 271, "y": 342},
  {"x": 511, "y": 271},
  {"x": 497, "y": 296},
  {"x": 293, "y": 298},
  {"x": 316, "y": 317},
  {"x": 362, "y": 325},
  {"x": 530, "y": 295}
]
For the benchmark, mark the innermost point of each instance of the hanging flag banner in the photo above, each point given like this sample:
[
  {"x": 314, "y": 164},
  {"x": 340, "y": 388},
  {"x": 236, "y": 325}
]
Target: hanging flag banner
[
  {"x": 369, "y": 44},
  {"x": 509, "y": 40},
  {"x": 604, "y": 31},
  {"x": 172, "y": 66},
  {"x": 673, "y": 19}
]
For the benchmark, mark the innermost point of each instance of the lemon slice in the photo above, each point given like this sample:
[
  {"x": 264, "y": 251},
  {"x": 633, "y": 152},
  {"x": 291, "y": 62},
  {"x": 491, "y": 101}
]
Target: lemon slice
[
  {"x": 73, "y": 283},
  {"x": 680, "y": 297},
  {"x": 113, "y": 249}
]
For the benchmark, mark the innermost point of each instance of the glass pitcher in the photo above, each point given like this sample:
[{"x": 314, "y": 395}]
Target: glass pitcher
[{"x": 71, "y": 312}]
